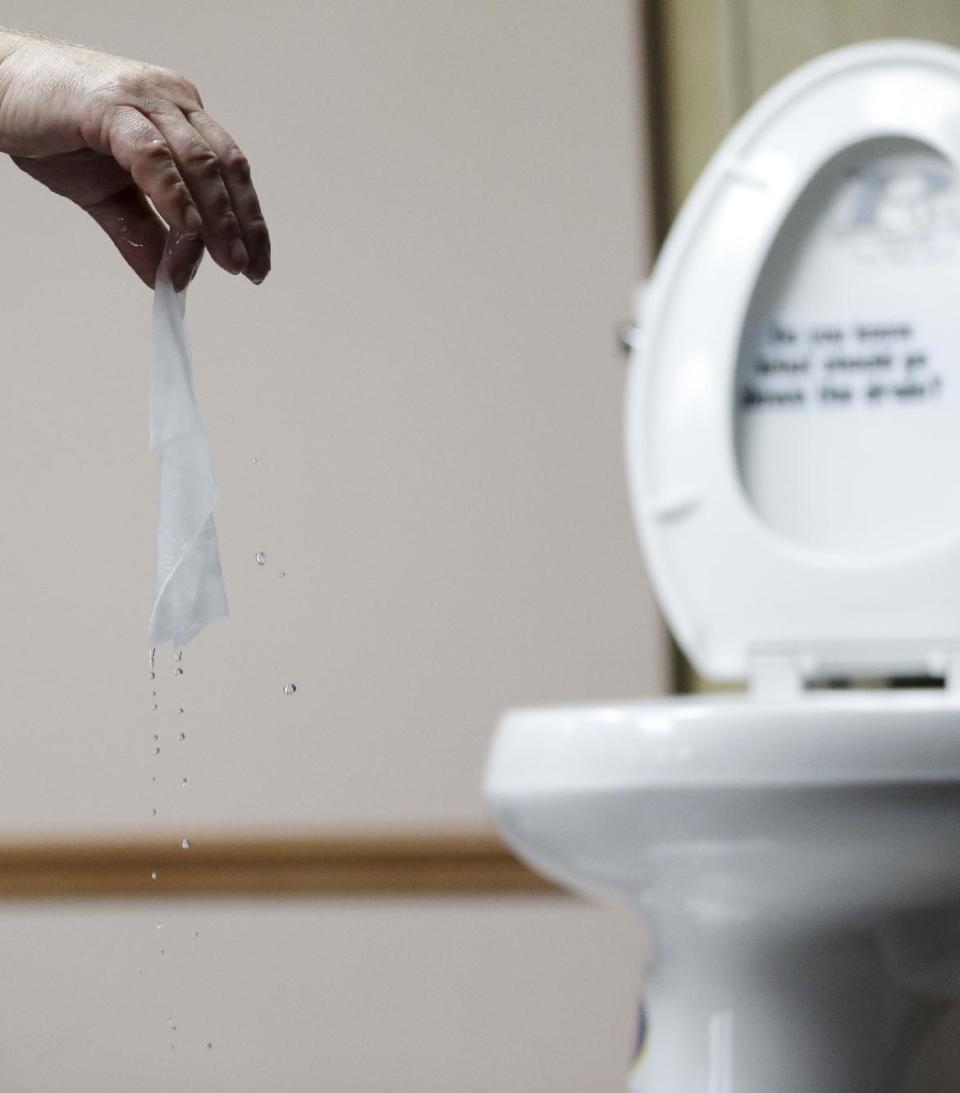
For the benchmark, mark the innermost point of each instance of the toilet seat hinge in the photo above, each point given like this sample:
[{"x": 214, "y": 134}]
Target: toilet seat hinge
[{"x": 776, "y": 675}]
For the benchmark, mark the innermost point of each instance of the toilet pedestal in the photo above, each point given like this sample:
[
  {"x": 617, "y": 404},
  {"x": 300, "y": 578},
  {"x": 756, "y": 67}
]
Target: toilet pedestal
[{"x": 730, "y": 1008}]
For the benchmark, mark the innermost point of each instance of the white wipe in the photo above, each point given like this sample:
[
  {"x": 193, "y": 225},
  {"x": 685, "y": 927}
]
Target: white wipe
[{"x": 189, "y": 590}]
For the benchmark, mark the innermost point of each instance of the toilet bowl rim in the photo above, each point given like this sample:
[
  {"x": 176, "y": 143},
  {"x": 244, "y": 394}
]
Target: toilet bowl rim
[{"x": 857, "y": 739}]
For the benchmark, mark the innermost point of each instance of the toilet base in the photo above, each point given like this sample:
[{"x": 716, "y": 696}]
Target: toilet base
[{"x": 731, "y": 1009}]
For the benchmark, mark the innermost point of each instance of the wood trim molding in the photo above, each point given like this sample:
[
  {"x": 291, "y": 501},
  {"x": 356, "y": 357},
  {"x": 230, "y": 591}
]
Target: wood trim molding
[{"x": 349, "y": 864}]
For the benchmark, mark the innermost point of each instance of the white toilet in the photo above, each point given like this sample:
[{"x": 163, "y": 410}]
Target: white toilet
[{"x": 793, "y": 445}]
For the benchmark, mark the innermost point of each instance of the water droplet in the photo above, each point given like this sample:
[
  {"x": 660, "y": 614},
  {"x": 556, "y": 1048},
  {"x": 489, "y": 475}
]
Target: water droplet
[
  {"x": 153, "y": 811},
  {"x": 181, "y": 736},
  {"x": 159, "y": 925},
  {"x": 261, "y": 558},
  {"x": 153, "y": 694},
  {"x": 153, "y": 779},
  {"x": 254, "y": 460},
  {"x": 153, "y": 875},
  {"x": 173, "y": 1027},
  {"x": 183, "y": 782},
  {"x": 178, "y": 655},
  {"x": 163, "y": 952},
  {"x": 283, "y": 573},
  {"x": 156, "y": 737},
  {"x": 151, "y": 675},
  {"x": 155, "y": 706},
  {"x": 289, "y": 688},
  {"x": 196, "y": 933},
  {"x": 156, "y": 749},
  {"x": 209, "y": 1046},
  {"x": 153, "y": 656},
  {"x": 178, "y": 672},
  {"x": 185, "y": 845},
  {"x": 179, "y": 709}
]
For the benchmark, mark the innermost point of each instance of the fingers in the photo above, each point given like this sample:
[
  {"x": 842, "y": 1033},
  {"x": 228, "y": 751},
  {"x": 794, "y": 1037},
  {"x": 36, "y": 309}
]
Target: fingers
[
  {"x": 235, "y": 172},
  {"x": 136, "y": 230},
  {"x": 203, "y": 172},
  {"x": 140, "y": 148},
  {"x": 189, "y": 166}
]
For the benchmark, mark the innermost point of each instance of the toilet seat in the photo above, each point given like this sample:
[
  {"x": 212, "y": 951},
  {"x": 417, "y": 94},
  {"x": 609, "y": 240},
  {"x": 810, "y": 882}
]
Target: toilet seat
[{"x": 737, "y": 593}]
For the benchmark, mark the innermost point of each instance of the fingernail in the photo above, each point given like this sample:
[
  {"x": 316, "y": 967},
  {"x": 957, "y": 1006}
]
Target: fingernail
[
  {"x": 193, "y": 220},
  {"x": 238, "y": 254}
]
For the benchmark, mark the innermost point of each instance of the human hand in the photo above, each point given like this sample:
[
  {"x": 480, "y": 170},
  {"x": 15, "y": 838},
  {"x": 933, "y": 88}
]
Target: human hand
[{"x": 109, "y": 134}]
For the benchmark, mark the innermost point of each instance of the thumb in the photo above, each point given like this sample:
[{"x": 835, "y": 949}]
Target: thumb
[{"x": 136, "y": 230}]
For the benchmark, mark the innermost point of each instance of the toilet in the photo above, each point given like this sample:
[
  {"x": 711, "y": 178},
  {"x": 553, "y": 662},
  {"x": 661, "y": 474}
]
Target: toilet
[{"x": 793, "y": 454}]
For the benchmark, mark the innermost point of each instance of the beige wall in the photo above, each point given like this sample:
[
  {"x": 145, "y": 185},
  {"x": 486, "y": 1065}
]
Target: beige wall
[
  {"x": 430, "y": 386},
  {"x": 301, "y": 997}
]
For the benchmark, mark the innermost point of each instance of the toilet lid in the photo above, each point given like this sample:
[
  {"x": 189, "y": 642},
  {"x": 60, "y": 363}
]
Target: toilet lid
[{"x": 793, "y": 407}]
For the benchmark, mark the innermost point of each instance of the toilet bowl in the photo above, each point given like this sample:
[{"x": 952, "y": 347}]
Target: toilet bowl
[{"x": 793, "y": 450}]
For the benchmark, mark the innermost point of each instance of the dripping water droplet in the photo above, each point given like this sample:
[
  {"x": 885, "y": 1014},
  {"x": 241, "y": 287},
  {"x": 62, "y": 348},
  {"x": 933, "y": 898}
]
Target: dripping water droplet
[
  {"x": 179, "y": 709},
  {"x": 153, "y": 811},
  {"x": 290, "y": 688},
  {"x": 178, "y": 672},
  {"x": 183, "y": 782},
  {"x": 283, "y": 573},
  {"x": 185, "y": 845},
  {"x": 156, "y": 749},
  {"x": 209, "y": 1046},
  {"x": 181, "y": 736},
  {"x": 178, "y": 655},
  {"x": 153, "y": 875},
  {"x": 261, "y": 558}
]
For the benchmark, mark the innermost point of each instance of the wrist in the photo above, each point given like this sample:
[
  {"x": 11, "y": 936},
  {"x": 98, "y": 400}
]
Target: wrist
[{"x": 35, "y": 107}]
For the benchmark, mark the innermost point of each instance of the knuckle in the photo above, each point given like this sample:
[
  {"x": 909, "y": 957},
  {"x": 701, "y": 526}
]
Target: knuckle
[
  {"x": 220, "y": 207},
  {"x": 141, "y": 84},
  {"x": 137, "y": 82},
  {"x": 190, "y": 90},
  {"x": 154, "y": 151},
  {"x": 179, "y": 190},
  {"x": 257, "y": 231},
  {"x": 202, "y": 161},
  {"x": 182, "y": 89},
  {"x": 236, "y": 162}
]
